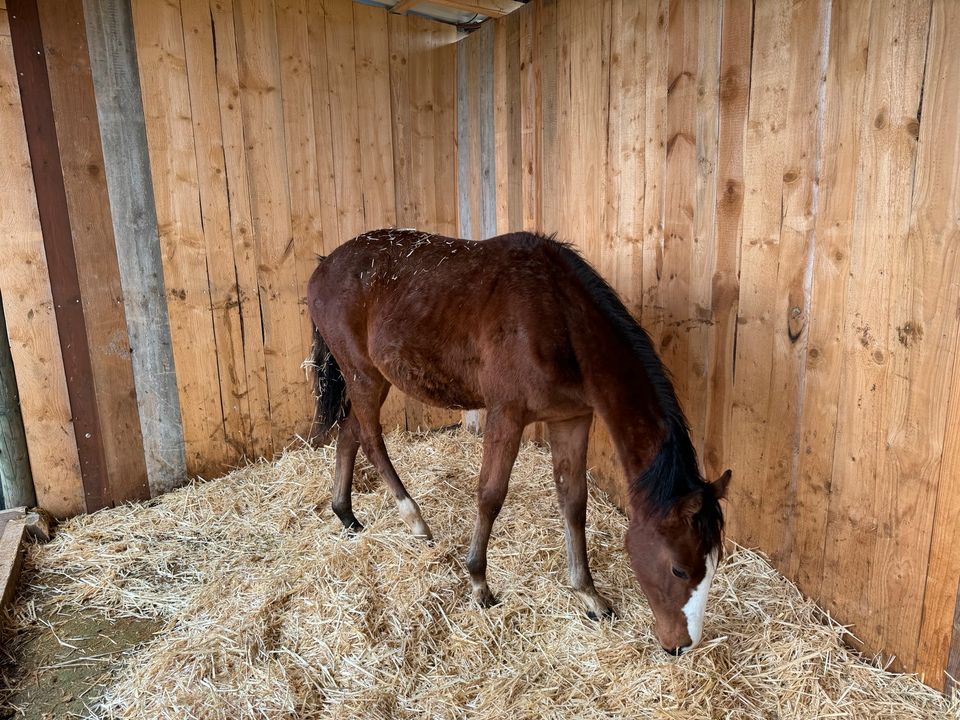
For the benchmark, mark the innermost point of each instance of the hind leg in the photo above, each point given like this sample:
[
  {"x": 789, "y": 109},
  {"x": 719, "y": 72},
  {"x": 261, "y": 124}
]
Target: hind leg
[
  {"x": 348, "y": 443},
  {"x": 568, "y": 445},
  {"x": 367, "y": 394}
]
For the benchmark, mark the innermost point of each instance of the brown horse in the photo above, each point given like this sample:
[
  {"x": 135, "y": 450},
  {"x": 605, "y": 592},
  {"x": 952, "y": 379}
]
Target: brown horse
[{"x": 523, "y": 326}]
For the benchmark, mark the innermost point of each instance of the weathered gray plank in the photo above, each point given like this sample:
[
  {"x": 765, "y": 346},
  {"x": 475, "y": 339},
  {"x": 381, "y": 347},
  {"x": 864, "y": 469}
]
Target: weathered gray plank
[
  {"x": 113, "y": 59},
  {"x": 488, "y": 177},
  {"x": 11, "y": 558},
  {"x": 16, "y": 482}
]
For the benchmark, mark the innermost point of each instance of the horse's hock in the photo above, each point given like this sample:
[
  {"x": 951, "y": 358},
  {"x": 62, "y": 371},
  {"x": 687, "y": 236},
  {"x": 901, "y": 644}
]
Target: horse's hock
[{"x": 770, "y": 186}]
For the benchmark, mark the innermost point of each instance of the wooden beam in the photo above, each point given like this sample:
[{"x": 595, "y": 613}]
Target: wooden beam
[
  {"x": 91, "y": 225},
  {"x": 16, "y": 483},
  {"x": 403, "y": 6},
  {"x": 113, "y": 61},
  {"x": 490, "y": 8},
  {"x": 953, "y": 661},
  {"x": 43, "y": 144},
  {"x": 11, "y": 558}
]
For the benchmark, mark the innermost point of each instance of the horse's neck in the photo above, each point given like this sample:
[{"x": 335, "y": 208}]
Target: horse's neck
[{"x": 627, "y": 403}]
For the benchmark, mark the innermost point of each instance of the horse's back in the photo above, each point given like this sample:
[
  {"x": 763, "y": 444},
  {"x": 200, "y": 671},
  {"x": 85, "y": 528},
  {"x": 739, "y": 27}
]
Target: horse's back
[{"x": 450, "y": 321}]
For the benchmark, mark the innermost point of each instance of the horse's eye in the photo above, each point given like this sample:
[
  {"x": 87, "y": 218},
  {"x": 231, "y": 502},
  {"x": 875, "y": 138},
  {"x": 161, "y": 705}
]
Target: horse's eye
[{"x": 680, "y": 573}]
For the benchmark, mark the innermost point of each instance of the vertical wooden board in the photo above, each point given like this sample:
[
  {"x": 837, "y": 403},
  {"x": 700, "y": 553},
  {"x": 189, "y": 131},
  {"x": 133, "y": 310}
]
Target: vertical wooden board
[
  {"x": 790, "y": 300},
  {"x": 303, "y": 182},
  {"x": 16, "y": 482},
  {"x": 401, "y": 113},
  {"x": 484, "y": 139},
  {"x": 620, "y": 260},
  {"x": 200, "y": 55},
  {"x": 735, "y": 49},
  {"x": 81, "y": 158},
  {"x": 113, "y": 61},
  {"x": 549, "y": 151},
  {"x": 444, "y": 60},
  {"x": 4, "y": 23},
  {"x": 699, "y": 320},
  {"x": 373, "y": 91},
  {"x": 168, "y": 117},
  {"x": 30, "y": 319},
  {"x": 376, "y": 147},
  {"x": 924, "y": 274},
  {"x": 865, "y": 478},
  {"x": 840, "y": 160},
  {"x": 763, "y": 179},
  {"x": 655, "y": 154},
  {"x": 531, "y": 122},
  {"x": 501, "y": 119},
  {"x": 267, "y": 173},
  {"x": 255, "y": 403},
  {"x": 51, "y": 201},
  {"x": 513, "y": 186},
  {"x": 323, "y": 131},
  {"x": 432, "y": 160},
  {"x": 344, "y": 121},
  {"x": 468, "y": 185},
  {"x": 679, "y": 195}
]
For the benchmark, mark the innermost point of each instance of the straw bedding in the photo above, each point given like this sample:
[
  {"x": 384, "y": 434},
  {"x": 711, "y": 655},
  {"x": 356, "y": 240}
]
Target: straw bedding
[{"x": 271, "y": 612}]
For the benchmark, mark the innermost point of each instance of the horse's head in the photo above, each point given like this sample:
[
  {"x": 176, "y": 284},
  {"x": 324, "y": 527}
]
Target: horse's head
[{"x": 674, "y": 555}]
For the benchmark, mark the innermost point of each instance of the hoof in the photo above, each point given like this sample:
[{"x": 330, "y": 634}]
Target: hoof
[
  {"x": 484, "y": 598},
  {"x": 607, "y": 614}
]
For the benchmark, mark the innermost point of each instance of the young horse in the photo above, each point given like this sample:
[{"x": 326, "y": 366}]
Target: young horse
[{"x": 520, "y": 325}]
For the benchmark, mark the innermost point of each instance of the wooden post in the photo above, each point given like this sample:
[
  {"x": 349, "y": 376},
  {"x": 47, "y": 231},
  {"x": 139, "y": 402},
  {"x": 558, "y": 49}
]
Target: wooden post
[
  {"x": 42, "y": 141},
  {"x": 113, "y": 62},
  {"x": 16, "y": 483}
]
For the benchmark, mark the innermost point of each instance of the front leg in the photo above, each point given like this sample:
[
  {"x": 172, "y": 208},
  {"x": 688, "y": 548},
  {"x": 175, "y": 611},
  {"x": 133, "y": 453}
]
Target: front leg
[
  {"x": 568, "y": 445},
  {"x": 501, "y": 442}
]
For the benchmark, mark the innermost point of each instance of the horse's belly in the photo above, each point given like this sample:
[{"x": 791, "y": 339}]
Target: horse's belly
[{"x": 433, "y": 382}]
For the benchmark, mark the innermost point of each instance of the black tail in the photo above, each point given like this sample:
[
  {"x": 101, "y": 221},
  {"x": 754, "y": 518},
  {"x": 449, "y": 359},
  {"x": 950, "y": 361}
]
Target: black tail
[{"x": 329, "y": 389}]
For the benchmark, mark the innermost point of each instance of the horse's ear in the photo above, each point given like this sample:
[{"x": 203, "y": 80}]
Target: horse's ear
[{"x": 721, "y": 483}]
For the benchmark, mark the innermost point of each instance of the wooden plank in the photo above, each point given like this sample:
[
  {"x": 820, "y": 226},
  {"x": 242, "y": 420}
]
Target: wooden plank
[
  {"x": 443, "y": 56},
  {"x": 51, "y": 201},
  {"x": 531, "y": 121},
  {"x": 254, "y": 404},
  {"x": 736, "y": 44},
  {"x": 547, "y": 53},
  {"x": 864, "y": 512},
  {"x": 920, "y": 410},
  {"x": 169, "y": 123},
  {"x": 16, "y": 481},
  {"x": 113, "y": 64},
  {"x": 699, "y": 320},
  {"x": 373, "y": 93},
  {"x": 216, "y": 231},
  {"x": 655, "y": 154},
  {"x": 679, "y": 204},
  {"x": 344, "y": 120},
  {"x": 467, "y": 186},
  {"x": 303, "y": 181},
  {"x": 11, "y": 559},
  {"x": 621, "y": 255},
  {"x": 371, "y": 38},
  {"x": 267, "y": 173},
  {"x": 4, "y": 22},
  {"x": 953, "y": 661},
  {"x": 88, "y": 204},
  {"x": 501, "y": 123},
  {"x": 484, "y": 137},
  {"x": 763, "y": 182},
  {"x": 512, "y": 162},
  {"x": 781, "y": 332},
  {"x": 430, "y": 153},
  {"x": 840, "y": 159},
  {"x": 490, "y": 8},
  {"x": 319, "y": 82},
  {"x": 403, "y": 6}
]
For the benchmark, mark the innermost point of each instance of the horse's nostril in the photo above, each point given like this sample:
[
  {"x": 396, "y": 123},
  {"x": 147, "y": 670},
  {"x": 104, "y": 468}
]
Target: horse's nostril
[{"x": 673, "y": 651}]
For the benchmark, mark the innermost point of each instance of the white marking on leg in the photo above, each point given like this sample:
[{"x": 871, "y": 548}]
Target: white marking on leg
[
  {"x": 696, "y": 606},
  {"x": 410, "y": 514}
]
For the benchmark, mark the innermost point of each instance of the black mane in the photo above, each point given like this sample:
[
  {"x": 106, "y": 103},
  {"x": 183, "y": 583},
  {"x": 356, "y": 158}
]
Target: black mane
[{"x": 674, "y": 472}]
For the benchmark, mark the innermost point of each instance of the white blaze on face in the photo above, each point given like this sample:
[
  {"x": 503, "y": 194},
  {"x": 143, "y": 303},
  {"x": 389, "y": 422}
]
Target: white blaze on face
[{"x": 697, "y": 604}]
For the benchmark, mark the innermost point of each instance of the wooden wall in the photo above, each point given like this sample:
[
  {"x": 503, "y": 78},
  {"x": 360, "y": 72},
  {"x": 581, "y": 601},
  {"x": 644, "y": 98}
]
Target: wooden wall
[
  {"x": 170, "y": 171},
  {"x": 773, "y": 188}
]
